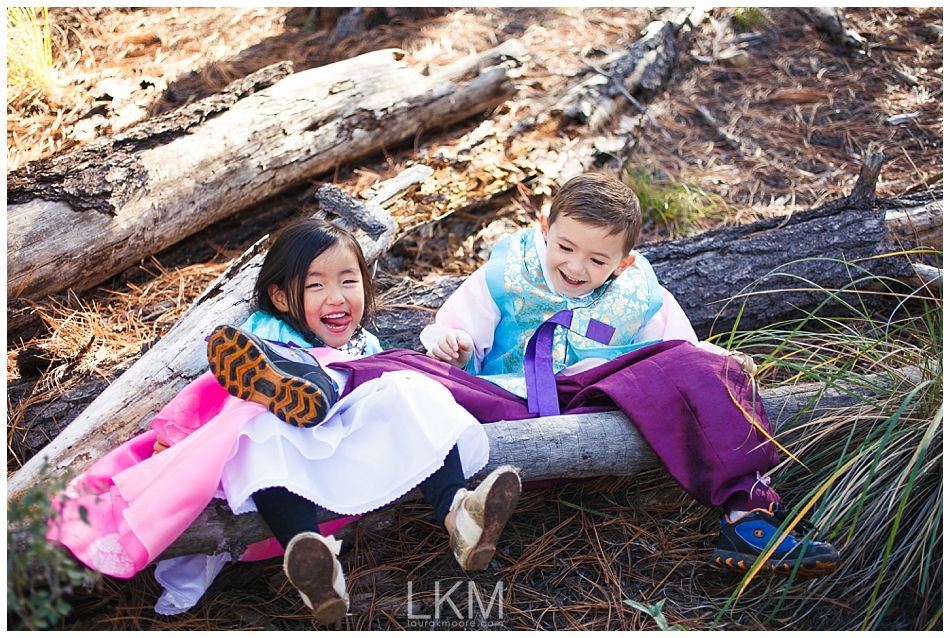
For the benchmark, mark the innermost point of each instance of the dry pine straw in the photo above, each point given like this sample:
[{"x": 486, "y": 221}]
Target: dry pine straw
[
  {"x": 100, "y": 335},
  {"x": 561, "y": 568}
]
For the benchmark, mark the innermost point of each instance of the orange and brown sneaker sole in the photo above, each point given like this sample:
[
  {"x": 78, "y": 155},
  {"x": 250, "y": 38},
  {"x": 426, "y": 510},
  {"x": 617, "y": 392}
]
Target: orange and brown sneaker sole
[
  {"x": 244, "y": 371},
  {"x": 817, "y": 569}
]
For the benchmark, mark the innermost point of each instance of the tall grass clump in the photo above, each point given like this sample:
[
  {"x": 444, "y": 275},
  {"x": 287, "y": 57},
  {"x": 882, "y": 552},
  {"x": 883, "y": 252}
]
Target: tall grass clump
[
  {"x": 29, "y": 55},
  {"x": 679, "y": 208},
  {"x": 869, "y": 476}
]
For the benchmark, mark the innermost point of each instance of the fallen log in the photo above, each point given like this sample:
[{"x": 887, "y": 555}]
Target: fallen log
[
  {"x": 832, "y": 21},
  {"x": 566, "y": 446},
  {"x": 76, "y": 219},
  {"x": 642, "y": 70},
  {"x": 771, "y": 256},
  {"x": 767, "y": 271}
]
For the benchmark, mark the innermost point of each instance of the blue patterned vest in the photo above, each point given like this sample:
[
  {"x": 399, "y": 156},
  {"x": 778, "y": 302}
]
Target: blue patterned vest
[{"x": 516, "y": 283}]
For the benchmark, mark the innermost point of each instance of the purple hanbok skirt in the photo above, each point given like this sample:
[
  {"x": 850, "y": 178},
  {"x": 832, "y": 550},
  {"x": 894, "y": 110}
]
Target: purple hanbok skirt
[{"x": 697, "y": 410}]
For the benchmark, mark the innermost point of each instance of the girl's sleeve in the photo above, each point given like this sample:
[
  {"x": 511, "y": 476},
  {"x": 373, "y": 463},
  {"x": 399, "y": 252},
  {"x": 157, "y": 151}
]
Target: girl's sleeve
[
  {"x": 271, "y": 328},
  {"x": 670, "y": 322},
  {"x": 471, "y": 313},
  {"x": 373, "y": 346}
]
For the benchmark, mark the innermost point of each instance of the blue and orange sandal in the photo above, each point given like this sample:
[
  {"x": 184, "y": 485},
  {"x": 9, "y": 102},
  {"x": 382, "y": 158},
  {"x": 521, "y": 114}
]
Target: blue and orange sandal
[
  {"x": 287, "y": 381},
  {"x": 741, "y": 541}
]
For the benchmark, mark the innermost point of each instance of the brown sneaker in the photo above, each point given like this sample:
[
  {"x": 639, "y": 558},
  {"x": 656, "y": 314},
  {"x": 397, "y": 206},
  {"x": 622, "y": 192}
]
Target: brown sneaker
[
  {"x": 287, "y": 381},
  {"x": 482, "y": 515},
  {"x": 312, "y": 567}
]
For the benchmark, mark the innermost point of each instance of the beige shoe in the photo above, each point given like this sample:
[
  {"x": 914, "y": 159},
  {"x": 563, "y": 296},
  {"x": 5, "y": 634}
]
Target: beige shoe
[
  {"x": 481, "y": 517},
  {"x": 312, "y": 567}
]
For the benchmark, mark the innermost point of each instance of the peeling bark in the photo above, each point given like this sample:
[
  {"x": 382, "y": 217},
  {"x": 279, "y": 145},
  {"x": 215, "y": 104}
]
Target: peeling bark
[{"x": 76, "y": 220}]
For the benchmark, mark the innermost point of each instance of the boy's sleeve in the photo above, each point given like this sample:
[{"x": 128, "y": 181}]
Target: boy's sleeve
[
  {"x": 470, "y": 312},
  {"x": 670, "y": 322}
]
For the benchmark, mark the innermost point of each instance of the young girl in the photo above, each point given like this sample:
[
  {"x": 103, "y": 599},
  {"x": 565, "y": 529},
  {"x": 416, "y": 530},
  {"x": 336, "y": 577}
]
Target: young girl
[{"x": 379, "y": 441}]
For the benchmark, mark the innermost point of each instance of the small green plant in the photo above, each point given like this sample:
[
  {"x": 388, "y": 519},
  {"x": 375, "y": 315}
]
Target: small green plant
[
  {"x": 29, "y": 54},
  {"x": 677, "y": 207},
  {"x": 655, "y": 612},
  {"x": 39, "y": 573},
  {"x": 748, "y": 17}
]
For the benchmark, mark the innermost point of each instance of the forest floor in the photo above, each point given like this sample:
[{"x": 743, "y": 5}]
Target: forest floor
[{"x": 802, "y": 110}]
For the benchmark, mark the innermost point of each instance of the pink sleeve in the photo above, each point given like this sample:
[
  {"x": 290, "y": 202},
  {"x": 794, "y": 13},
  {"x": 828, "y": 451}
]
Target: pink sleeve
[
  {"x": 196, "y": 404},
  {"x": 469, "y": 312},
  {"x": 671, "y": 323}
]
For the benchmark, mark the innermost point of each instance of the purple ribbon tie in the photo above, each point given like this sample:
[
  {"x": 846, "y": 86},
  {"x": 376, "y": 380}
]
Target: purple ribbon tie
[{"x": 539, "y": 361}]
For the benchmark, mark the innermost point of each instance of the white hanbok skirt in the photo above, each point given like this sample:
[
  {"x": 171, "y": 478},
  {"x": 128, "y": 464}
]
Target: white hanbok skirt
[{"x": 375, "y": 445}]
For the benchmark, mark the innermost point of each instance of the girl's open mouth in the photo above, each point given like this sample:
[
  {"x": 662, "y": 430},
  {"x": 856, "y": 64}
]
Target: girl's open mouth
[{"x": 336, "y": 322}]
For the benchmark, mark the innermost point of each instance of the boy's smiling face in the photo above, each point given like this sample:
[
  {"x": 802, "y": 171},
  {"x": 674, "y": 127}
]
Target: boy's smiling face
[{"x": 580, "y": 256}]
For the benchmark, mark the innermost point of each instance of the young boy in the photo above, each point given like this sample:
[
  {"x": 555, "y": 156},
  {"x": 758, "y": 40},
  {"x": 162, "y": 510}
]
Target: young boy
[{"x": 570, "y": 295}]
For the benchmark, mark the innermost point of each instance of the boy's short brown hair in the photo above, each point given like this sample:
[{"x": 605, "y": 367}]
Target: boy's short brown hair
[{"x": 597, "y": 199}]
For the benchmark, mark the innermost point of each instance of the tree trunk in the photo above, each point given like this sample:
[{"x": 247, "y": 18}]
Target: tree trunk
[
  {"x": 75, "y": 220},
  {"x": 700, "y": 272},
  {"x": 767, "y": 271},
  {"x": 770, "y": 270}
]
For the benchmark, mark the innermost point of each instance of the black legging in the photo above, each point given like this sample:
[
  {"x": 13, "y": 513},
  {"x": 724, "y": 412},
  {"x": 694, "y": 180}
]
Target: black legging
[{"x": 288, "y": 514}]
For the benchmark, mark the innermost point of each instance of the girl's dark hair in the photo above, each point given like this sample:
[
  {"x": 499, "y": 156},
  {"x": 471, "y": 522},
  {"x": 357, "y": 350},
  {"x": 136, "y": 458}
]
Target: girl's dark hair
[{"x": 288, "y": 261}]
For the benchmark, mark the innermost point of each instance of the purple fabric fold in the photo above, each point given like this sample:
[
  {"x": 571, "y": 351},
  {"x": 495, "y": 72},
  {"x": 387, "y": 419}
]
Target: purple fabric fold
[{"x": 686, "y": 402}]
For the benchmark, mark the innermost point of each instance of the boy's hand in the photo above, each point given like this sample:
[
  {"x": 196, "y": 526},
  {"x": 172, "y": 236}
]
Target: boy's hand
[
  {"x": 451, "y": 349},
  {"x": 745, "y": 362}
]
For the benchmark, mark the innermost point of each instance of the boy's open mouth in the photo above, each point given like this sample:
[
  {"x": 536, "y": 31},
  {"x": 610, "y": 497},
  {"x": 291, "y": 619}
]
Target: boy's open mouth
[
  {"x": 570, "y": 281},
  {"x": 337, "y": 321}
]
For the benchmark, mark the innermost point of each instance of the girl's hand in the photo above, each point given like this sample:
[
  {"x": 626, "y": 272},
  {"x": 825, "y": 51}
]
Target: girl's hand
[
  {"x": 160, "y": 445},
  {"x": 451, "y": 349}
]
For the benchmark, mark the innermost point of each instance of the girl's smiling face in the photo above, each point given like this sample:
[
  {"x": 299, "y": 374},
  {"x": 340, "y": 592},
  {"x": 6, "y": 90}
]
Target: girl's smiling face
[
  {"x": 333, "y": 300},
  {"x": 580, "y": 256}
]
